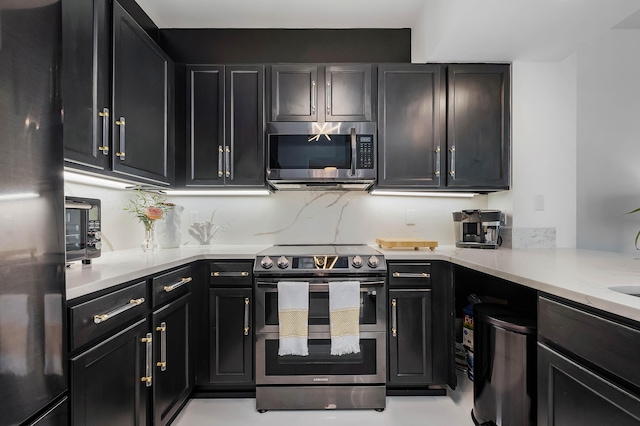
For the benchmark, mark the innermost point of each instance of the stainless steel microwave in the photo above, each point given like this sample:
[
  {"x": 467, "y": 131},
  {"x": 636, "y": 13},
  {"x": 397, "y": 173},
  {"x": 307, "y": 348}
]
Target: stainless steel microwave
[
  {"x": 321, "y": 155},
  {"x": 82, "y": 229}
]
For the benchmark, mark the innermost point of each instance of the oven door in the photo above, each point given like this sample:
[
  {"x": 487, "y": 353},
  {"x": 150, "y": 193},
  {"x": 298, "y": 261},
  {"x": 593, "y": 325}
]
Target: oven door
[
  {"x": 372, "y": 304},
  {"x": 320, "y": 367}
]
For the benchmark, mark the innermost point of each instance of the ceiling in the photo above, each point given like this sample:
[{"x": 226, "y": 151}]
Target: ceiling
[{"x": 444, "y": 30}]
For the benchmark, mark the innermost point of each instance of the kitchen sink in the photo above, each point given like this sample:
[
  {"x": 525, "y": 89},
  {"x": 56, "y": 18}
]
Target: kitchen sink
[{"x": 631, "y": 290}]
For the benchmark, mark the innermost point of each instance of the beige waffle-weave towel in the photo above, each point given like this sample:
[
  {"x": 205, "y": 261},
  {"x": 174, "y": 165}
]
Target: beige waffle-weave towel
[
  {"x": 293, "y": 318},
  {"x": 344, "y": 315}
]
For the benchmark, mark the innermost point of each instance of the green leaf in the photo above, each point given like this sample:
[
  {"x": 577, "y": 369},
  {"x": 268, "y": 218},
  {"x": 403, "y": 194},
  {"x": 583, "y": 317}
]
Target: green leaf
[
  {"x": 634, "y": 211},
  {"x": 637, "y": 237}
]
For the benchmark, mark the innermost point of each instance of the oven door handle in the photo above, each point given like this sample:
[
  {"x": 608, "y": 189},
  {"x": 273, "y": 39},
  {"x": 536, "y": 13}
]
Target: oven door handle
[{"x": 325, "y": 286}]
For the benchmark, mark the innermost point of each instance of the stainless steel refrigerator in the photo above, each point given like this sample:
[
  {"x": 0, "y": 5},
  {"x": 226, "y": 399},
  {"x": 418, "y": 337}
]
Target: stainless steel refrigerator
[{"x": 33, "y": 372}]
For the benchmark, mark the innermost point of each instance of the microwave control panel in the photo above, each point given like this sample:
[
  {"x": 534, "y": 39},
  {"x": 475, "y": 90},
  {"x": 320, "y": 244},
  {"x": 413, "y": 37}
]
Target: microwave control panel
[{"x": 365, "y": 151}]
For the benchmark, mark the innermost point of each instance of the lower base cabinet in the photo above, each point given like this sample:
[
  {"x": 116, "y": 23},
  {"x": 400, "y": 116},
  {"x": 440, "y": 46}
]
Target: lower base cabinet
[
  {"x": 173, "y": 377},
  {"x": 420, "y": 327},
  {"x": 231, "y": 341},
  {"x": 587, "y": 368},
  {"x": 410, "y": 342},
  {"x": 106, "y": 385}
]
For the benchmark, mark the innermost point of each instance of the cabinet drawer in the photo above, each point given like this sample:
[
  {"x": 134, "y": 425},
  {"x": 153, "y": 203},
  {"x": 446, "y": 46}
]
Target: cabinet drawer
[
  {"x": 230, "y": 273},
  {"x": 576, "y": 331},
  {"x": 171, "y": 285},
  {"x": 99, "y": 316},
  {"x": 409, "y": 274}
]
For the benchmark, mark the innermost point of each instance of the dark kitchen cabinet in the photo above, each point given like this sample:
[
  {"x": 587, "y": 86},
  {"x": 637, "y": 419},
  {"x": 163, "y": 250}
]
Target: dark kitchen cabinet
[
  {"x": 333, "y": 93},
  {"x": 86, "y": 82},
  {"x": 411, "y": 123},
  {"x": 579, "y": 382},
  {"x": 173, "y": 377},
  {"x": 118, "y": 95},
  {"x": 420, "y": 331},
  {"x": 410, "y": 342},
  {"x": 107, "y": 386},
  {"x": 225, "y": 126},
  {"x": 142, "y": 103},
  {"x": 230, "y": 323},
  {"x": 478, "y": 126}
]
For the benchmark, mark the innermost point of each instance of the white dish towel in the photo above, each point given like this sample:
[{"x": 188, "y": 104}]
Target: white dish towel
[
  {"x": 293, "y": 318},
  {"x": 344, "y": 316}
]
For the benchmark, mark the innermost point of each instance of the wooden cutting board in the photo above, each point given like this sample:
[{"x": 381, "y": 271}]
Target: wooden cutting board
[{"x": 405, "y": 243}]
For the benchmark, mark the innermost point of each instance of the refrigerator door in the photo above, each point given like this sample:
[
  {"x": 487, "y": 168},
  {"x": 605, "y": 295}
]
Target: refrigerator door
[{"x": 32, "y": 293}]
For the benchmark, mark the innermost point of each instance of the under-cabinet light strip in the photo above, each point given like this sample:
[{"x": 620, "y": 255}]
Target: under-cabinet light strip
[
  {"x": 424, "y": 194},
  {"x": 212, "y": 193},
  {"x": 95, "y": 181}
]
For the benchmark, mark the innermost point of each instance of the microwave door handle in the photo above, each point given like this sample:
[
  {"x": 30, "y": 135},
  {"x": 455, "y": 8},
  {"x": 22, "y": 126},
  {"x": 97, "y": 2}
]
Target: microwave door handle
[
  {"x": 76, "y": 205},
  {"x": 353, "y": 151}
]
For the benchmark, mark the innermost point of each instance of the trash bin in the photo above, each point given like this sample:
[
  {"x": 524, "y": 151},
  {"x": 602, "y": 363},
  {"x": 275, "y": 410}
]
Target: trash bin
[{"x": 504, "y": 387}]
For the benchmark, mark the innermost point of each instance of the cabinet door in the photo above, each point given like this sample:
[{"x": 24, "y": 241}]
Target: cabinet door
[
  {"x": 86, "y": 77},
  {"x": 231, "y": 336},
  {"x": 244, "y": 130},
  {"x": 410, "y": 126},
  {"x": 205, "y": 126},
  {"x": 142, "y": 73},
  {"x": 173, "y": 377},
  {"x": 478, "y": 126},
  {"x": 57, "y": 416},
  {"x": 571, "y": 395},
  {"x": 348, "y": 92},
  {"x": 409, "y": 335},
  {"x": 294, "y": 93},
  {"x": 106, "y": 385}
]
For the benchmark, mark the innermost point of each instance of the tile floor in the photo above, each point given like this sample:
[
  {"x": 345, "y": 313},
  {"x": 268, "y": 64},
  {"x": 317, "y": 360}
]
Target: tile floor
[{"x": 451, "y": 410}]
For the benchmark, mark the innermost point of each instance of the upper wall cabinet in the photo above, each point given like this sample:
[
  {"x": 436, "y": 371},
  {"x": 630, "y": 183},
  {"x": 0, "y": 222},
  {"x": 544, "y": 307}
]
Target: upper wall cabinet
[
  {"x": 142, "y": 103},
  {"x": 86, "y": 82},
  {"x": 416, "y": 105},
  {"x": 225, "y": 126},
  {"x": 308, "y": 92},
  {"x": 478, "y": 126},
  {"x": 117, "y": 94},
  {"x": 411, "y": 122}
]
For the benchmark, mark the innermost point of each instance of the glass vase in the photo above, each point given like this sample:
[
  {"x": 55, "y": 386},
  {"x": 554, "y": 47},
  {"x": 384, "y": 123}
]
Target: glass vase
[{"x": 149, "y": 243}]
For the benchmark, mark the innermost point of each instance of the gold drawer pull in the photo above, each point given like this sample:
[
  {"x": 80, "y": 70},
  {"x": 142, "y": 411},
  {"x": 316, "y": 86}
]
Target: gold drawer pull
[{"x": 132, "y": 304}]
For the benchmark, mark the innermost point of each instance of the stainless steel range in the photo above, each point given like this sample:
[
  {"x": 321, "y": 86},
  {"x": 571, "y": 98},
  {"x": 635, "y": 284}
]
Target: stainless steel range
[{"x": 321, "y": 380}]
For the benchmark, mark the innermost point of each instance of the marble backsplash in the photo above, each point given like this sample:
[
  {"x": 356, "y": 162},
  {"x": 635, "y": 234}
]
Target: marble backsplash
[
  {"x": 296, "y": 217},
  {"x": 528, "y": 238}
]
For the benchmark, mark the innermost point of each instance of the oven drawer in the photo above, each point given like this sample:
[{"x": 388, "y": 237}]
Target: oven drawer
[
  {"x": 416, "y": 274},
  {"x": 230, "y": 274},
  {"x": 320, "y": 367},
  {"x": 171, "y": 285},
  {"x": 99, "y": 316}
]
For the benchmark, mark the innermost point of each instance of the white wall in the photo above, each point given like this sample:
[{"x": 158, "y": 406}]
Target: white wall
[
  {"x": 543, "y": 149},
  {"x": 608, "y": 152},
  {"x": 290, "y": 217}
]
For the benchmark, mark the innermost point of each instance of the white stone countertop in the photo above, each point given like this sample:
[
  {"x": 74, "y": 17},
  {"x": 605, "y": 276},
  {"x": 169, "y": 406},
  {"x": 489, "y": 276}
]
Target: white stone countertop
[
  {"x": 582, "y": 276},
  {"x": 579, "y": 275},
  {"x": 118, "y": 267}
]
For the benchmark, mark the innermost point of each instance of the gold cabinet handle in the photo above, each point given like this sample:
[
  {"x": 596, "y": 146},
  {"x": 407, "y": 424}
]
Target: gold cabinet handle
[
  {"x": 227, "y": 162},
  {"x": 220, "y": 151},
  {"x": 411, "y": 275},
  {"x": 103, "y": 317},
  {"x": 246, "y": 316},
  {"x": 452, "y": 172},
  {"x": 394, "y": 317},
  {"x": 121, "y": 123},
  {"x": 104, "y": 148},
  {"x": 230, "y": 274},
  {"x": 148, "y": 341},
  {"x": 437, "y": 166},
  {"x": 183, "y": 281},
  {"x": 163, "y": 346}
]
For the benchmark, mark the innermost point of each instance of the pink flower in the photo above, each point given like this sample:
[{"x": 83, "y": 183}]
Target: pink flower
[{"x": 153, "y": 213}]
